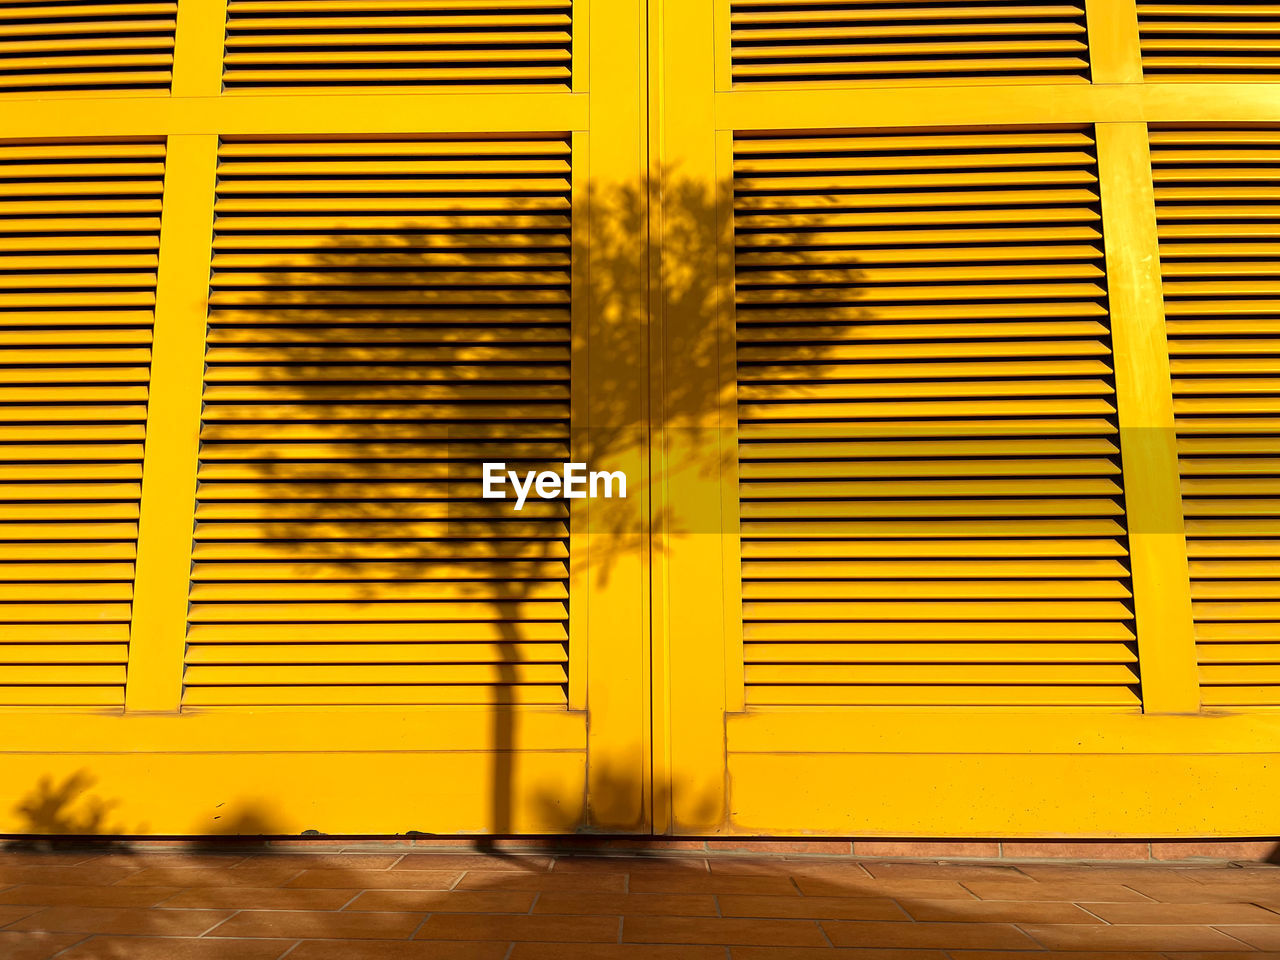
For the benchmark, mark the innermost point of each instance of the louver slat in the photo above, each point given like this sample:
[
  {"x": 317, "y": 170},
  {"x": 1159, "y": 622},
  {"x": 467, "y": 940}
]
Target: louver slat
[
  {"x": 843, "y": 42},
  {"x": 79, "y": 244},
  {"x": 930, "y": 485},
  {"x": 1221, "y": 280},
  {"x": 1192, "y": 40},
  {"x": 336, "y": 45},
  {"x": 384, "y": 317},
  {"x": 86, "y": 46}
]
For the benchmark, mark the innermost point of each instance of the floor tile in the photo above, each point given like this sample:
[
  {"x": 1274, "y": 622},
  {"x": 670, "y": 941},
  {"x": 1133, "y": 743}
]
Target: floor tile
[
  {"x": 376, "y": 879},
  {"x": 57, "y": 874},
  {"x": 28, "y": 945},
  {"x": 175, "y": 948},
  {"x": 1105, "y": 873},
  {"x": 617, "y": 951},
  {"x": 577, "y": 882},
  {"x": 838, "y": 953},
  {"x": 399, "y": 950},
  {"x": 997, "y": 911},
  {"x": 445, "y": 901},
  {"x": 1214, "y": 914},
  {"x": 1053, "y": 890},
  {"x": 1258, "y": 937},
  {"x": 177, "y": 858},
  {"x": 629, "y": 904},
  {"x": 258, "y": 898},
  {"x": 1146, "y": 936},
  {"x": 16, "y": 911},
  {"x": 813, "y": 908},
  {"x": 269, "y": 876},
  {"x": 713, "y": 883},
  {"x": 629, "y": 865},
  {"x": 462, "y": 861},
  {"x": 939, "y": 936},
  {"x": 80, "y": 895},
  {"x": 122, "y": 920},
  {"x": 313, "y": 861},
  {"x": 746, "y": 931},
  {"x": 317, "y": 924},
  {"x": 462, "y": 926},
  {"x": 818, "y": 886},
  {"x": 943, "y": 871},
  {"x": 1206, "y": 892}
]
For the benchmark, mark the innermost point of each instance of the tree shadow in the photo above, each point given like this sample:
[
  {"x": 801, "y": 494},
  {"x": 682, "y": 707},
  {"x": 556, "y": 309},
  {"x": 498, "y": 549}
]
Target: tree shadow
[
  {"x": 387, "y": 315},
  {"x": 361, "y": 369},
  {"x": 68, "y": 808}
]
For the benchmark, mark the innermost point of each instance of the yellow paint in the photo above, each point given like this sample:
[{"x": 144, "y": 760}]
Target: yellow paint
[
  {"x": 654, "y": 732},
  {"x": 1157, "y": 545},
  {"x": 173, "y": 428}
]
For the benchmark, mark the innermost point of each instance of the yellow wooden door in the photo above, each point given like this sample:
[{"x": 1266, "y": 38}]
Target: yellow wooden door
[
  {"x": 278, "y": 277},
  {"x": 922, "y": 535}
]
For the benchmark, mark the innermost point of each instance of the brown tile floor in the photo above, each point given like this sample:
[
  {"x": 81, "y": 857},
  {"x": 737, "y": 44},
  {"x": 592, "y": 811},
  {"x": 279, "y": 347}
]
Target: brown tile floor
[{"x": 403, "y": 906}]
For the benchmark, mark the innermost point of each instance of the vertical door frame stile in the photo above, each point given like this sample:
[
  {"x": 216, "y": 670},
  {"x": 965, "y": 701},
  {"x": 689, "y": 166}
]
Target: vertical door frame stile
[
  {"x": 722, "y": 51},
  {"x": 157, "y": 635},
  {"x": 580, "y": 49},
  {"x": 656, "y": 492},
  {"x": 690, "y": 424},
  {"x": 1144, "y": 399},
  {"x": 735, "y": 689},
  {"x": 579, "y": 318},
  {"x": 158, "y": 631},
  {"x": 617, "y": 603},
  {"x": 198, "y": 45},
  {"x": 1115, "y": 55}
]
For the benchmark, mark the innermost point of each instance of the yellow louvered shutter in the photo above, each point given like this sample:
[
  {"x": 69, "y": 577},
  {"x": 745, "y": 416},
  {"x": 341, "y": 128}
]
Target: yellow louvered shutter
[
  {"x": 1191, "y": 40},
  {"x": 836, "y": 42},
  {"x": 324, "y": 45},
  {"x": 79, "y": 240},
  {"x": 92, "y": 46},
  {"x": 385, "y": 315},
  {"x": 931, "y": 507},
  {"x": 1219, "y": 231}
]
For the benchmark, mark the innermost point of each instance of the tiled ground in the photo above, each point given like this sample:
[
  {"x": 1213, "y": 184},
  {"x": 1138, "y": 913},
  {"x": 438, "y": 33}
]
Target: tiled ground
[{"x": 395, "y": 905}]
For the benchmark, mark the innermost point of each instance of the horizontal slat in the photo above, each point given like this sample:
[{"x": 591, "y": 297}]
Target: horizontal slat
[
  {"x": 352, "y": 694},
  {"x": 945, "y": 695},
  {"x": 986, "y": 674},
  {"x": 60, "y": 655},
  {"x": 353, "y": 674},
  {"x": 825, "y": 655},
  {"x": 1027, "y": 632},
  {"x": 929, "y": 588},
  {"x": 371, "y": 592},
  {"x": 206, "y": 636},
  {"x": 509, "y": 654}
]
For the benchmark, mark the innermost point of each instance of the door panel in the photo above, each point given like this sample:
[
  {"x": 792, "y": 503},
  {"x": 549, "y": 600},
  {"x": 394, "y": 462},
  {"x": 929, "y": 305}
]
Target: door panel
[
  {"x": 368, "y": 279},
  {"x": 946, "y": 582}
]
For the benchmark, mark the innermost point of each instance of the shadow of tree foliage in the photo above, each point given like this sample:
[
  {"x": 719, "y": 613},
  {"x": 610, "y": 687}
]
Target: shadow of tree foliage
[{"x": 363, "y": 365}]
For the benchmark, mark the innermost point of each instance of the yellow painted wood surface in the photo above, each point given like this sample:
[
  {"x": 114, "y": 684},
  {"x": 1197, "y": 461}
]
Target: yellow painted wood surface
[{"x": 251, "y": 705}]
